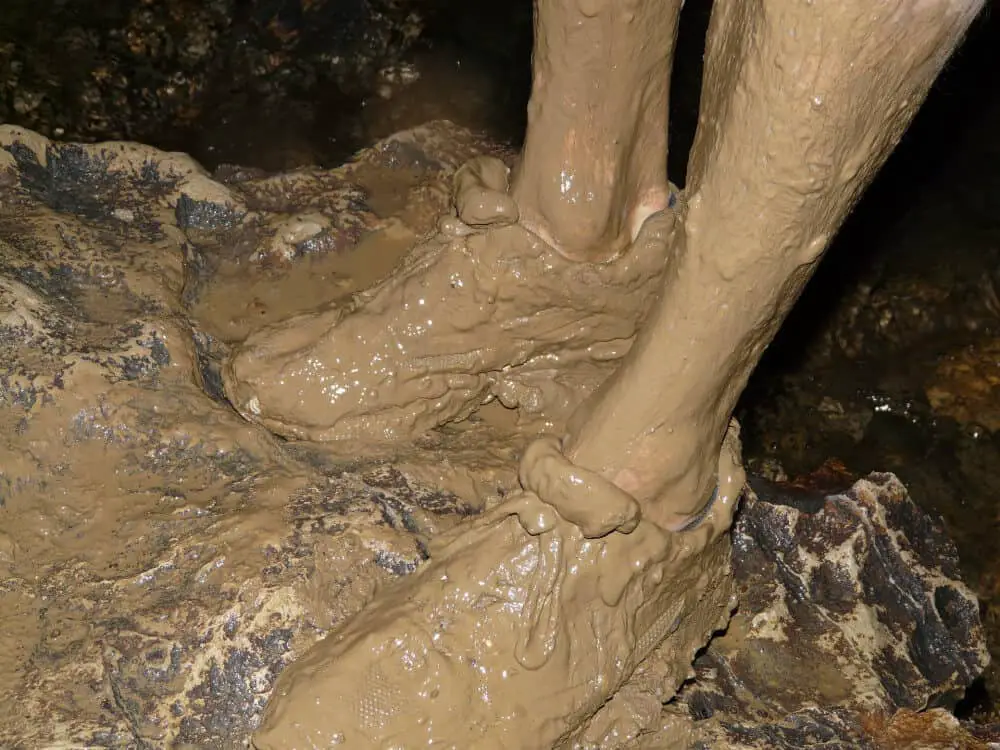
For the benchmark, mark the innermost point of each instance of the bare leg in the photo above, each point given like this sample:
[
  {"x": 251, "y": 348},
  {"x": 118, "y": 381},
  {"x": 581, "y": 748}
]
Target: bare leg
[
  {"x": 595, "y": 155},
  {"x": 802, "y": 103}
]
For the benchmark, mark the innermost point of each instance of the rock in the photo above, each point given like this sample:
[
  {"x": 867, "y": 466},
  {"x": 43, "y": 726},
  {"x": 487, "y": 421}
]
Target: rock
[
  {"x": 966, "y": 385},
  {"x": 115, "y": 69},
  {"x": 161, "y": 560},
  {"x": 852, "y": 617},
  {"x": 893, "y": 313}
]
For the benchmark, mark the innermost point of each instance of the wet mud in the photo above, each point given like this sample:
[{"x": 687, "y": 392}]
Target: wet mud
[
  {"x": 165, "y": 561},
  {"x": 127, "y": 478},
  {"x": 117, "y": 375}
]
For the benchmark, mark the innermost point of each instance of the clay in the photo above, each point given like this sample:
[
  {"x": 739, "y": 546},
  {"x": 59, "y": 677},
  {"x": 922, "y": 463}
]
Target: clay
[
  {"x": 730, "y": 276},
  {"x": 160, "y": 558},
  {"x": 489, "y": 308},
  {"x": 481, "y": 194},
  {"x": 596, "y": 509}
]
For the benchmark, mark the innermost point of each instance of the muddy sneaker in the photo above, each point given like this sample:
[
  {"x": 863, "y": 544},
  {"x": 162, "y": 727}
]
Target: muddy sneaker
[
  {"x": 479, "y": 300},
  {"x": 521, "y": 626}
]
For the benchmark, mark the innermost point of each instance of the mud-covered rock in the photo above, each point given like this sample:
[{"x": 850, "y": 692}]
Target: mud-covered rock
[
  {"x": 852, "y": 618},
  {"x": 161, "y": 560}
]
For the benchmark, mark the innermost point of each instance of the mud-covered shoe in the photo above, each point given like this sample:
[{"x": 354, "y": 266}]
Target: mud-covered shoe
[
  {"x": 482, "y": 298},
  {"x": 521, "y": 626}
]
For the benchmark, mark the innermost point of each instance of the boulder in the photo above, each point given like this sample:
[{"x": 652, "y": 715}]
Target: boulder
[{"x": 852, "y": 619}]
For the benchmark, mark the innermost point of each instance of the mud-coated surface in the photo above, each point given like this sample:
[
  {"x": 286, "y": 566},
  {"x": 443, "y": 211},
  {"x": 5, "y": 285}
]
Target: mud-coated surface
[
  {"x": 145, "y": 524},
  {"x": 894, "y": 319},
  {"x": 849, "y": 612},
  {"x": 162, "y": 560}
]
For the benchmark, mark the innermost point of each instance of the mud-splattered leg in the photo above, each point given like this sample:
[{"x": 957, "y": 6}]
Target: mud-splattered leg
[
  {"x": 594, "y": 160},
  {"x": 802, "y": 102}
]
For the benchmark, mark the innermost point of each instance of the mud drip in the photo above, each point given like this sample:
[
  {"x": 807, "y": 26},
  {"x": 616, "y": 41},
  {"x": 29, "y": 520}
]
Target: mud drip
[
  {"x": 518, "y": 594},
  {"x": 163, "y": 560},
  {"x": 593, "y": 504}
]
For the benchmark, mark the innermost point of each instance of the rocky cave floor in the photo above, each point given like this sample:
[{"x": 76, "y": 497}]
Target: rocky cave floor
[{"x": 220, "y": 545}]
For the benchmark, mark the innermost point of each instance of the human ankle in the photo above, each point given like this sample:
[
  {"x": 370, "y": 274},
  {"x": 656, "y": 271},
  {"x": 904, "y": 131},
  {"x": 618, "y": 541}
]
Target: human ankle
[
  {"x": 594, "y": 159},
  {"x": 675, "y": 493}
]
